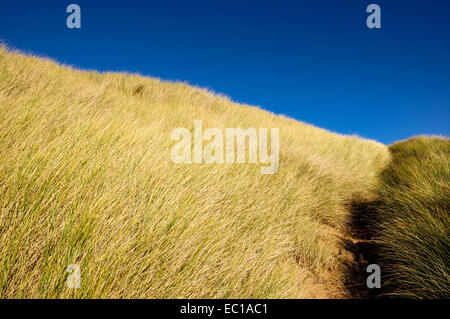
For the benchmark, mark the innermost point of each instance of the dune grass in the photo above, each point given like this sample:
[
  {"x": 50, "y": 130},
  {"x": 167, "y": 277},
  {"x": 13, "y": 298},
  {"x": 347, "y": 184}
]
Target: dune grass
[
  {"x": 412, "y": 221},
  {"x": 86, "y": 178}
]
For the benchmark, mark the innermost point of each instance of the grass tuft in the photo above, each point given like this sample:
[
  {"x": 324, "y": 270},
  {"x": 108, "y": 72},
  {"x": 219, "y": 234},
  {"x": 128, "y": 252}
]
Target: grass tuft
[{"x": 412, "y": 221}]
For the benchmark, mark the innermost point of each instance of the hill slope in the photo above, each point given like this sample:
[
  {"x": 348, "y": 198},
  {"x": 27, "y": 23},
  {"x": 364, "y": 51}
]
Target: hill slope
[
  {"x": 86, "y": 178},
  {"x": 411, "y": 219}
]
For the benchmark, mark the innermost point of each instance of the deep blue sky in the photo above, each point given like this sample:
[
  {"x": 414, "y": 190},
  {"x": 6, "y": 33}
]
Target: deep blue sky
[{"x": 315, "y": 61}]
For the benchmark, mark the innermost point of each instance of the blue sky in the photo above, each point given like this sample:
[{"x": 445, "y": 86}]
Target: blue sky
[{"x": 315, "y": 61}]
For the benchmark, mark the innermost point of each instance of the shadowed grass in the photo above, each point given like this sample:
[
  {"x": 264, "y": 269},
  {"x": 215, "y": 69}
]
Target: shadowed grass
[{"x": 412, "y": 221}]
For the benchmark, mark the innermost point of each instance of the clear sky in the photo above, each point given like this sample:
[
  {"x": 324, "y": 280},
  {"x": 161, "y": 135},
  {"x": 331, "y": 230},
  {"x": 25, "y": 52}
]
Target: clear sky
[{"x": 315, "y": 61}]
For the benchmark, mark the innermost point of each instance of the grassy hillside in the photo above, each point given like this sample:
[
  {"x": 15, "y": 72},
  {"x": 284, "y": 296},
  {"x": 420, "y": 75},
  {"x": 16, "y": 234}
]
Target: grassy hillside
[
  {"x": 86, "y": 178},
  {"x": 412, "y": 221}
]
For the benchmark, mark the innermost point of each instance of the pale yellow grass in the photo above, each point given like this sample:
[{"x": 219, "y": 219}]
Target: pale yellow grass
[{"x": 86, "y": 178}]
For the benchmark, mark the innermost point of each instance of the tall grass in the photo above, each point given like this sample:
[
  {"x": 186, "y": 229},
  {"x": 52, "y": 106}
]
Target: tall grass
[
  {"x": 412, "y": 221},
  {"x": 86, "y": 178}
]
